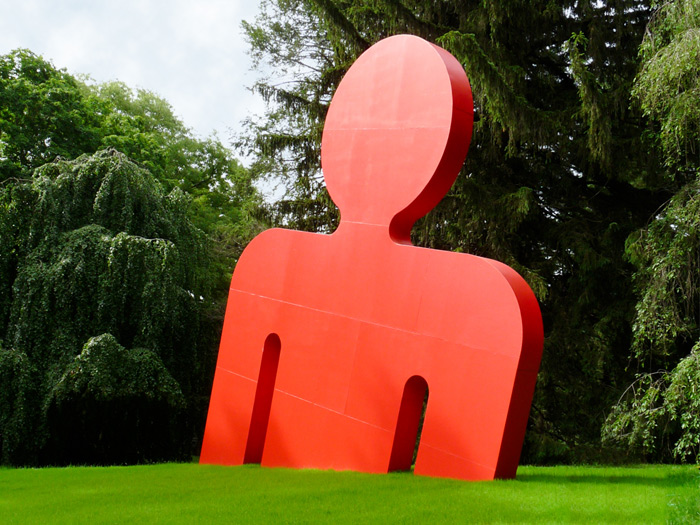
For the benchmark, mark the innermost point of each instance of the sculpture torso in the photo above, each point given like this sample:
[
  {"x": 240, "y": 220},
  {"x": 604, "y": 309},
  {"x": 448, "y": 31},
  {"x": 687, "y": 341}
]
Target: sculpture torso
[{"x": 356, "y": 325}]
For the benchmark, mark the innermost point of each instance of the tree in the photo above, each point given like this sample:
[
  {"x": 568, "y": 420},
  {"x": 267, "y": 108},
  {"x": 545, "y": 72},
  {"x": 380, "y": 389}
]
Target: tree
[
  {"x": 659, "y": 413},
  {"x": 558, "y": 174},
  {"x": 42, "y": 115},
  {"x": 113, "y": 405},
  {"x": 103, "y": 250},
  {"x": 225, "y": 204},
  {"x": 47, "y": 113},
  {"x": 139, "y": 248}
]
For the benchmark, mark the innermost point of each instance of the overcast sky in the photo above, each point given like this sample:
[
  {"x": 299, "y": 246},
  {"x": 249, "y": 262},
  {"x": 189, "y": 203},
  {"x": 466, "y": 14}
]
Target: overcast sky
[{"x": 190, "y": 52}]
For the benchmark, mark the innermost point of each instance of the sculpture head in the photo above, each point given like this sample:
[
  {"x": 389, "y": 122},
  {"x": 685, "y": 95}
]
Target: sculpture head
[{"x": 396, "y": 133}]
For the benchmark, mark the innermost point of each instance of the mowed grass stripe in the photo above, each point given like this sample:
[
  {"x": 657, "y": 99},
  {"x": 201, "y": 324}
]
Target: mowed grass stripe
[{"x": 191, "y": 493}]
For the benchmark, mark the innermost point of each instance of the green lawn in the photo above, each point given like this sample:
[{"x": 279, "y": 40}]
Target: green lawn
[{"x": 190, "y": 493}]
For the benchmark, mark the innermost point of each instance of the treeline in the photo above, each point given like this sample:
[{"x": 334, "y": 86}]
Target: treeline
[
  {"x": 583, "y": 175},
  {"x": 119, "y": 230}
]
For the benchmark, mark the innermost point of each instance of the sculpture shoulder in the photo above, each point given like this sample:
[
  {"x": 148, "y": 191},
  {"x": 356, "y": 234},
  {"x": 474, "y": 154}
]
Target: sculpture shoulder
[
  {"x": 276, "y": 241},
  {"x": 272, "y": 254},
  {"x": 466, "y": 270},
  {"x": 469, "y": 297}
]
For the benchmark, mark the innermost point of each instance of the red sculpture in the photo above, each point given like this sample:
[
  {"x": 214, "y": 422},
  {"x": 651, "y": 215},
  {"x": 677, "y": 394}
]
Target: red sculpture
[{"x": 330, "y": 342}]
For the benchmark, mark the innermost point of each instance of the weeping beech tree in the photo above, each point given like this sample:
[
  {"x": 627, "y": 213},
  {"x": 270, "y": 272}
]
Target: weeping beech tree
[
  {"x": 101, "y": 247},
  {"x": 102, "y": 333},
  {"x": 559, "y": 173},
  {"x": 46, "y": 113}
]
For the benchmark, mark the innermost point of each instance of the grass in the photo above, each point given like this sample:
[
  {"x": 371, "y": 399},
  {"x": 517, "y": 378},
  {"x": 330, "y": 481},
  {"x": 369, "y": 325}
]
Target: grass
[{"x": 190, "y": 493}]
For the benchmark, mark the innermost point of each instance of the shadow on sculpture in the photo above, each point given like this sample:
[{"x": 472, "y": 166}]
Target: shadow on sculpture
[{"x": 331, "y": 342}]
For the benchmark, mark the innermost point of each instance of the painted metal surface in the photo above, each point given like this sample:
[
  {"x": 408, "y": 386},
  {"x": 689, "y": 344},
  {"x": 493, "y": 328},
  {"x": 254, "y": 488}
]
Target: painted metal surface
[{"x": 331, "y": 341}]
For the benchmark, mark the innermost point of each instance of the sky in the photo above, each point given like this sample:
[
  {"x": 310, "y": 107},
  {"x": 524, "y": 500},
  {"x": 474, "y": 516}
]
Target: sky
[{"x": 192, "y": 53}]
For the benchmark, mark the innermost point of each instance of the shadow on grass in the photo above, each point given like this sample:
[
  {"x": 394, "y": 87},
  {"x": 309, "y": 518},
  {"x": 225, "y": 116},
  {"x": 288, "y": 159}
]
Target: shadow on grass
[{"x": 593, "y": 478}]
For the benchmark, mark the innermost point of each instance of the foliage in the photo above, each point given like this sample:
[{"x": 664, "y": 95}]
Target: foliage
[
  {"x": 42, "y": 115},
  {"x": 667, "y": 254},
  {"x": 102, "y": 250},
  {"x": 18, "y": 404},
  {"x": 47, "y": 113},
  {"x": 188, "y": 492},
  {"x": 559, "y": 173},
  {"x": 661, "y": 410},
  {"x": 114, "y": 405},
  {"x": 286, "y": 144},
  {"x": 139, "y": 245},
  {"x": 668, "y": 86}
]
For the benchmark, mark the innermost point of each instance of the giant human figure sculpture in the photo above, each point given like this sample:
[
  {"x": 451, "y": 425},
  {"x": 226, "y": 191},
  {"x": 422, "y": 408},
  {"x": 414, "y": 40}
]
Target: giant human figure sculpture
[{"x": 330, "y": 342}]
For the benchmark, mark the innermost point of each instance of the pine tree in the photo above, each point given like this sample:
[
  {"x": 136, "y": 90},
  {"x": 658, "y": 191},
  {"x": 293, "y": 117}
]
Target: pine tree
[{"x": 558, "y": 175}]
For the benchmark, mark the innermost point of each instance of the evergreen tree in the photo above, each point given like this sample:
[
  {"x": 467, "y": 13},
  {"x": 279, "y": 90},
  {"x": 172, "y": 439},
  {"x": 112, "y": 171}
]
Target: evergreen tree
[{"x": 558, "y": 174}]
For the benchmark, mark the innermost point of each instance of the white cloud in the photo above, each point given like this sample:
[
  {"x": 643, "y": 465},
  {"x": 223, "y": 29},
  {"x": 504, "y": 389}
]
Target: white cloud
[{"x": 191, "y": 53}]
